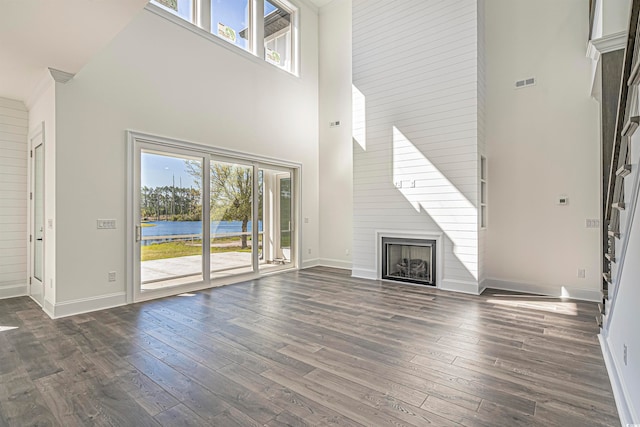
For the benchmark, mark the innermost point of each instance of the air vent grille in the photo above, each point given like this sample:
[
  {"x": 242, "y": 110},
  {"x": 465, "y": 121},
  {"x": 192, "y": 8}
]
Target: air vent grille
[{"x": 525, "y": 82}]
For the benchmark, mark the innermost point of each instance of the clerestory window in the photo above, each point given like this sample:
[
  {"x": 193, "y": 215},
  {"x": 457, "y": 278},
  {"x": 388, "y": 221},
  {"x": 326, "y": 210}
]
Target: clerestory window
[{"x": 273, "y": 37}]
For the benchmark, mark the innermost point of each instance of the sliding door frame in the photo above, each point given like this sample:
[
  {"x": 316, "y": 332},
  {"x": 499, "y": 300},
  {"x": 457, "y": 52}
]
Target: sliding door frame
[{"x": 136, "y": 142}]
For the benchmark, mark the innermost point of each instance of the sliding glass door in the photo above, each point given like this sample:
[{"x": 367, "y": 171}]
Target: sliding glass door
[
  {"x": 170, "y": 227},
  {"x": 184, "y": 196}
]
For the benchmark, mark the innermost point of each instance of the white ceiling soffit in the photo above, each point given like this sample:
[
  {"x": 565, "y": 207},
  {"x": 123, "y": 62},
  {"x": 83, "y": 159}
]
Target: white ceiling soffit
[{"x": 61, "y": 34}]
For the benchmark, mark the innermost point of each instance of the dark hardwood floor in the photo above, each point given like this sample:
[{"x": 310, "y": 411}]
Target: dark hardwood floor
[{"x": 308, "y": 348}]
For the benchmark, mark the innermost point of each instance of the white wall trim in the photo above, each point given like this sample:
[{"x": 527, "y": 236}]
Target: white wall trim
[
  {"x": 85, "y": 305},
  {"x": 60, "y": 76},
  {"x": 12, "y": 291},
  {"x": 335, "y": 263},
  {"x": 464, "y": 286},
  {"x": 623, "y": 404},
  {"x": 620, "y": 260},
  {"x": 363, "y": 273},
  {"x": 606, "y": 44},
  {"x": 547, "y": 290},
  {"x": 310, "y": 263}
]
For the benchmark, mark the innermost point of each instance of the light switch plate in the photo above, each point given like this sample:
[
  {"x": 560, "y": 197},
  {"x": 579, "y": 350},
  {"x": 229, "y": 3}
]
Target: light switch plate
[{"x": 106, "y": 224}]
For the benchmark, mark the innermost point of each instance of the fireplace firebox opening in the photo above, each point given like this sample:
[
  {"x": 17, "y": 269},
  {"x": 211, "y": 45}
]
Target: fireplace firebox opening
[{"x": 409, "y": 260}]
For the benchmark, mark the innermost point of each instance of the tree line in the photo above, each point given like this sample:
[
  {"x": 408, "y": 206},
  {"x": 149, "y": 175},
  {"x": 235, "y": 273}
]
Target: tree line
[{"x": 170, "y": 203}]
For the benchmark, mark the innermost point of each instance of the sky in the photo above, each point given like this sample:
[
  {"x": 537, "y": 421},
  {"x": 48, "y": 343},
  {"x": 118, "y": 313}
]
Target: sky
[
  {"x": 159, "y": 171},
  {"x": 232, "y": 13}
]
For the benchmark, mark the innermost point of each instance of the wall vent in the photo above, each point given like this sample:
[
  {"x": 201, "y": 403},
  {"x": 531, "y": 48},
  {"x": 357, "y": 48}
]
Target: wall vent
[{"x": 525, "y": 82}]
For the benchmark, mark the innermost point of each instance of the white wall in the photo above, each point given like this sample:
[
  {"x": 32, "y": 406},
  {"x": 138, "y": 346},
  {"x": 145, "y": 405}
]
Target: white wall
[
  {"x": 336, "y": 152},
  {"x": 159, "y": 78},
  {"x": 543, "y": 141},
  {"x": 416, "y": 66},
  {"x": 615, "y": 16},
  {"x": 43, "y": 110},
  {"x": 13, "y": 201}
]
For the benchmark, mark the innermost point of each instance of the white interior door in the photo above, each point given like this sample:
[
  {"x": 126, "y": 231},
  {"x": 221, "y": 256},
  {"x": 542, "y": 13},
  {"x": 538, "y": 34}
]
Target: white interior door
[{"x": 37, "y": 231}]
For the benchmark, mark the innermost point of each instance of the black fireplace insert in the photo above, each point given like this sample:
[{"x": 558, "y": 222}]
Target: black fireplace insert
[{"x": 409, "y": 260}]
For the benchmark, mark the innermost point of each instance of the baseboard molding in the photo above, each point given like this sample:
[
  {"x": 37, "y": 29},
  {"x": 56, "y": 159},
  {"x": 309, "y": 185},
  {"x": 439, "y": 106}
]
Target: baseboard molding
[
  {"x": 310, "y": 263},
  {"x": 335, "y": 263},
  {"x": 623, "y": 404},
  {"x": 49, "y": 308},
  {"x": 363, "y": 273},
  {"x": 552, "y": 291},
  {"x": 85, "y": 305},
  {"x": 15, "y": 290},
  {"x": 466, "y": 287}
]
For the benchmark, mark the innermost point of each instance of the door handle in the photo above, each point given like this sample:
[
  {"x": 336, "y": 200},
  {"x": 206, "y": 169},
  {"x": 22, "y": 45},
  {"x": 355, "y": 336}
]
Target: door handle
[
  {"x": 39, "y": 240},
  {"x": 138, "y": 233}
]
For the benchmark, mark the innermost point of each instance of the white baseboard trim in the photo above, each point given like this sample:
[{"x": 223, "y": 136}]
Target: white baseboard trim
[
  {"x": 85, "y": 305},
  {"x": 15, "y": 290},
  {"x": 363, "y": 273},
  {"x": 335, "y": 263},
  {"x": 49, "y": 308},
  {"x": 552, "y": 291},
  {"x": 310, "y": 263},
  {"x": 466, "y": 287},
  {"x": 622, "y": 403}
]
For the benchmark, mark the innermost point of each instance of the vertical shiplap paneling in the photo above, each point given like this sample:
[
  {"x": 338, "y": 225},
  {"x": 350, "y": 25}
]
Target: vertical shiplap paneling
[
  {"x": 415, "y": 70},
  {"x": 13, "y": 197}
]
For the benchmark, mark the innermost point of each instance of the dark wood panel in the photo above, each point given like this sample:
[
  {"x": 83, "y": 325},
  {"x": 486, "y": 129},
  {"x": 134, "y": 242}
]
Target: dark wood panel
[{"x": 308, "y": 348}]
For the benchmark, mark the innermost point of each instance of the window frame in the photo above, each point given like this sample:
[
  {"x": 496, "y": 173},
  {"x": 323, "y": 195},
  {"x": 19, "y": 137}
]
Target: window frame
[{"x": 200, "y": 24}]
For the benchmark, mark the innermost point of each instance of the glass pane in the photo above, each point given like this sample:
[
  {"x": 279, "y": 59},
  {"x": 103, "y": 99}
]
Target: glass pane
[
  {"x": 38, "y": 211},
  {"x": 231, "y": 214},
  {"x": 277, "y": 35},
  {"x": 230, "y": 21},
  {"x": 171, "y": 214},
  {"x": 182, "y": 8},
  {"x": 277, "y": 219}
]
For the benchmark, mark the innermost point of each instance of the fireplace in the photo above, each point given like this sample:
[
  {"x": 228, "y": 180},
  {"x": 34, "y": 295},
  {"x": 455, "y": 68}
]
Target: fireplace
[{"x": 409, "y": 260}]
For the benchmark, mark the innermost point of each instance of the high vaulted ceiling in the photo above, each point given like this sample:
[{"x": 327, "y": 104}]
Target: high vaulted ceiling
[{"x": 61, "y": 34}]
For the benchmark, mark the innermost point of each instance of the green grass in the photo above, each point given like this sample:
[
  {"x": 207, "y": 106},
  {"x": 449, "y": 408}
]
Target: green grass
[
  {"x": 180, "y": 249},
  {"x": 144, "y": 224}
]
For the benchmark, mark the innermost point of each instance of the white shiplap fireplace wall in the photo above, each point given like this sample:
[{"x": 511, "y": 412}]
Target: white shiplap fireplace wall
[
  {"x": 418, "y": 130},
  {"x": 13, "y": 198}
]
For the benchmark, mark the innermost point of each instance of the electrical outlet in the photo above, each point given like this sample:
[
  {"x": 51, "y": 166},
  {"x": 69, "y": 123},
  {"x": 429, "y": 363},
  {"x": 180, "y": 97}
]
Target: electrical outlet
[
  {"x": 581, "y": 273},
  {"x": 624, "y": 354},
  {"x": 309, "y": 251},
  {"x": 112, "y": 276}
]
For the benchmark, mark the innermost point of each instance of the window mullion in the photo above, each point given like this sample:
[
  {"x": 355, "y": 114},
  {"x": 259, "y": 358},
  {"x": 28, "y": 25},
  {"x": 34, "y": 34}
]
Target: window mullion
[
  {"x": 257, "y": 25},
  {"x": 203, "y": 14},
  {"x": 206, "y": 219}
]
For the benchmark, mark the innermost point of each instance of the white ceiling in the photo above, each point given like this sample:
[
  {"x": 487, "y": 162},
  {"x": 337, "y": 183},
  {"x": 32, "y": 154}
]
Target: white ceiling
[{"x": 60, "y": 34}]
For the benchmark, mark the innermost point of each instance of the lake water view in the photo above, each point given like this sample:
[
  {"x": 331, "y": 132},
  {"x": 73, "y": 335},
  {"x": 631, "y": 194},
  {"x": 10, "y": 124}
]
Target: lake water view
[{"x": 172, "y": 228}]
